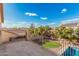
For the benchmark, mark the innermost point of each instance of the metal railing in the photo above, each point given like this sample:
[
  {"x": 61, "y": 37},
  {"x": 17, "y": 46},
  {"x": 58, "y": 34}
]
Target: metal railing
[{"x": 68, "y": 49}]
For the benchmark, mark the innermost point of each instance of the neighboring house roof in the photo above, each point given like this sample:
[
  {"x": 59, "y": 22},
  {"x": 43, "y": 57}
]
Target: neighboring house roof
[{"x": 74, "y": 24}]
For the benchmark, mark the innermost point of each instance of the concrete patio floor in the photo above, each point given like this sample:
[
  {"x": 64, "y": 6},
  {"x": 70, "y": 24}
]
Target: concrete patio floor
[{"x": 23, "y": 48}]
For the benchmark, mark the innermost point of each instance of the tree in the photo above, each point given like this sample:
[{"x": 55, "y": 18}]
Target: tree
[
  {"x": 32, "y": 26},
  {"x": 66, "y": 33},
  {"x": 60, "y": 32},
  {"x": 77, "y": 34},
  {"x": 69, "y": 34},
  {"x": 42, "y": 31}
]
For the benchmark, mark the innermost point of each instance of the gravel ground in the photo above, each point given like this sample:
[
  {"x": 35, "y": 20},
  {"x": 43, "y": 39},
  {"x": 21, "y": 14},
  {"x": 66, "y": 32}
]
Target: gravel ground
[{"x": 23, "y": 48}]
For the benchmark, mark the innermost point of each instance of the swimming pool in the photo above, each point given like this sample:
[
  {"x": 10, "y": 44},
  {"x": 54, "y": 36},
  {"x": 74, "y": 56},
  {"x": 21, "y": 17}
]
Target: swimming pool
[{"x": 71, "y": 52}]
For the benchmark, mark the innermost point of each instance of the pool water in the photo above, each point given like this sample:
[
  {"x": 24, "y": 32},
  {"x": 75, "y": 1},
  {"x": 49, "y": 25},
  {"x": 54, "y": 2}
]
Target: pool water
[{"x": 71, "y": 52}]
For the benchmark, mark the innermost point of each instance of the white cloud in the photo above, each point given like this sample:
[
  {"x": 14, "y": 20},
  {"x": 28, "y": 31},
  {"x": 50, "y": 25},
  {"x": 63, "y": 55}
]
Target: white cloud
[
  {"x": 70, "y": 21},
  {"x": 7, "y": 23},
  {"x": 30, "y": 14},
  {"x": 18, "y": 24},
  {"x": 26, "y": 24},
  {"x": 43, "y": 18},
  {"x": 64, "y": 10},
  {"x": 50, "y": 24}
]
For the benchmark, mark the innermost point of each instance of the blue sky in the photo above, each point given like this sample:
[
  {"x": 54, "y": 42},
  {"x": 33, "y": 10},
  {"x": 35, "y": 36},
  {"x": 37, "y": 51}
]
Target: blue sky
[{"x": 24, "y": 14}]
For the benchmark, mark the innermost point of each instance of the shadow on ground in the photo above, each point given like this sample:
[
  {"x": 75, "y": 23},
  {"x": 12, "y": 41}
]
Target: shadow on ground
[{"x": 23, "y": 48}]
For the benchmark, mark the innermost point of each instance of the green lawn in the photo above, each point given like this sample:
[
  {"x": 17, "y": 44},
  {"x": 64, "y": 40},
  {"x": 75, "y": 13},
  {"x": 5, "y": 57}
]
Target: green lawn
[{"x": 51, "y": 44}]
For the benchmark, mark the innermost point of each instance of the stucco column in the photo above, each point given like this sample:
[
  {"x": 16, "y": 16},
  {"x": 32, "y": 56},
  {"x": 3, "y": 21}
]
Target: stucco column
[
  {"x": 1, "y": 20},
  {"x": 1, "y": 16},
  {"x": 28, "y": 35},
  {"x": 0, "y": 28}
]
